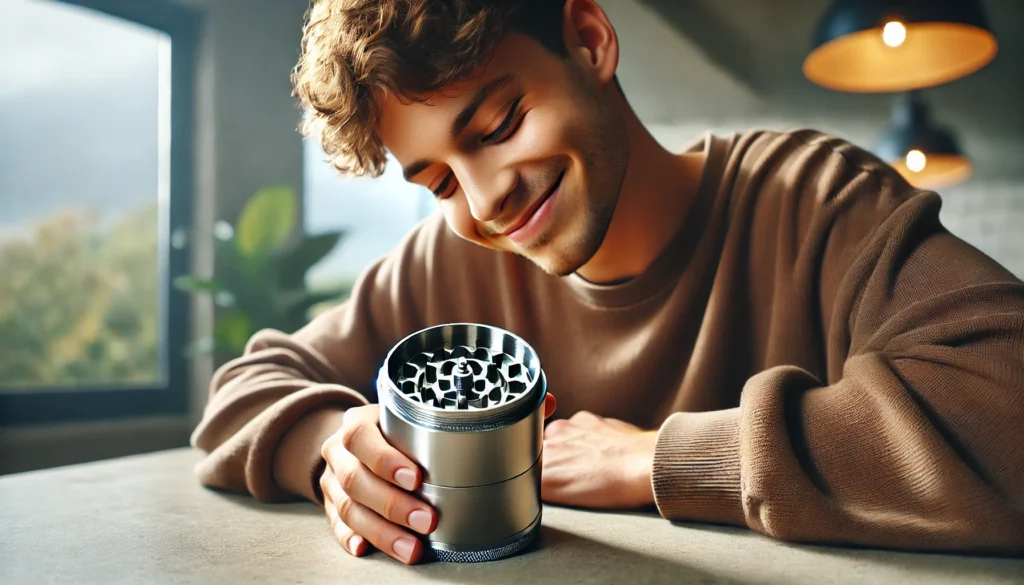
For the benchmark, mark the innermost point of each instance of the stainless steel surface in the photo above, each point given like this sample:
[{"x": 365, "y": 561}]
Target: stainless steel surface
[
  {"x": 465, "y": 402},
  {"x": 514, "y": 544},
  {"x": 484, "y": 516},
  {"x": 468, "y": 458},
  {"x": 462, "y": 376}
]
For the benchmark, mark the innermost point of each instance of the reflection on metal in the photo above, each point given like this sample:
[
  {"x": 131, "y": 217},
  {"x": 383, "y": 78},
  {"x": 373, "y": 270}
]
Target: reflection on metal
[{"x": 464, "y": 401}]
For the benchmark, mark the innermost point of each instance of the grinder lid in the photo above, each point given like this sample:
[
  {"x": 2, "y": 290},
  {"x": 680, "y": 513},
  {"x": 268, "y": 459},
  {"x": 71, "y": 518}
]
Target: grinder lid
[{"x": 464, "y": 375}]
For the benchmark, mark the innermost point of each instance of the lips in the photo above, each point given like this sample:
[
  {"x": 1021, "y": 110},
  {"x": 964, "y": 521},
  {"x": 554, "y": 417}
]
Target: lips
[{"x": 533, "y": 208}]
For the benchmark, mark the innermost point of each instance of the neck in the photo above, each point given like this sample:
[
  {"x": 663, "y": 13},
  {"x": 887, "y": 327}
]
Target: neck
[{"x": 657, "y": 193}]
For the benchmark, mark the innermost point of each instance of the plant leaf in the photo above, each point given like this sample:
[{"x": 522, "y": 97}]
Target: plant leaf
[
  {"x": 197, "y": 285},
  {"x": 232, "y": 331},
  {"x": 295, "y": 263},
  {"x": 266, "y": 221}
]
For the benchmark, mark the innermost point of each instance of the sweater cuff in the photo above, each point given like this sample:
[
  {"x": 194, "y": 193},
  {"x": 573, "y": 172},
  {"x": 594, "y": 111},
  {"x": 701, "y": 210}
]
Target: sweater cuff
[
  {"x": 696, "y": 472},
  {"x": 297, "y": 462}
]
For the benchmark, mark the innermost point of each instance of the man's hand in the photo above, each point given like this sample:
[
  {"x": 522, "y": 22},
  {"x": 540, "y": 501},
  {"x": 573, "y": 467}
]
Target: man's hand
[
  {"x": 366, "y": 489},
  {"x": 367, "y": 485},
  {"x": 596, "y": 462}
]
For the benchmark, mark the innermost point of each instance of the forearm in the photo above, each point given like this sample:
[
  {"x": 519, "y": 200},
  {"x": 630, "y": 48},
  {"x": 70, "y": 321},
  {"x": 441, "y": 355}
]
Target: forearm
[
  {"x": 272, "y": 453},
  {"x": 298, "y": 462},
  {"x": 261, "y": 414},
  {"x": 862, "y": 461},
  {"x": 871, "y": 460},
  {"x": 696, "y": 473}
]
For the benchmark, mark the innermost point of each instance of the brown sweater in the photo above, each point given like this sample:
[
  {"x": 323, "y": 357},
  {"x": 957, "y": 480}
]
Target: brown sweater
[{"x": 824, "y": 360}]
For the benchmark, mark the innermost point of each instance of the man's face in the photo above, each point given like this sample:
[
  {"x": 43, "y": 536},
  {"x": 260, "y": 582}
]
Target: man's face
[{"x": 528, "y": 156}]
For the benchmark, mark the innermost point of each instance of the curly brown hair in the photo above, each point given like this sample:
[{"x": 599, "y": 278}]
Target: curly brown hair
[{"x": 354, "y": 49}]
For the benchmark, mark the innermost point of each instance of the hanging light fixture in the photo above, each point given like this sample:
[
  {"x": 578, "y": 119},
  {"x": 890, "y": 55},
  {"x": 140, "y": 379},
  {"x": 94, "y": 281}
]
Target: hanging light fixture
[
  {"x": 928, "y": 156},
  {"x": 872, "y": 46}
]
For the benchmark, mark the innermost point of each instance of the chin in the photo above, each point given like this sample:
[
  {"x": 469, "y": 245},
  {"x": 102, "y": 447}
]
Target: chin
[
  {"x": 556, "y": 267},
  {"x": 561, "y": 259}
]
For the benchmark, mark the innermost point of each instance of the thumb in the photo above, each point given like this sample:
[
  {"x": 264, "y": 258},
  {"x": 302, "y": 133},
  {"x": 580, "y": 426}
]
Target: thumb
[{"x": 550, "y": 404}]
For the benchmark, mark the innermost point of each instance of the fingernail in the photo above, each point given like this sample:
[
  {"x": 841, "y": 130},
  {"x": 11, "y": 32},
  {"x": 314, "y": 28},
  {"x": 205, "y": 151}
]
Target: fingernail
[
  {"x": 420, "y": 521},
  {"x": 406, "y": 478},
  {"x": 403, "y": 547},
  {"x": 354, "y": 543}
]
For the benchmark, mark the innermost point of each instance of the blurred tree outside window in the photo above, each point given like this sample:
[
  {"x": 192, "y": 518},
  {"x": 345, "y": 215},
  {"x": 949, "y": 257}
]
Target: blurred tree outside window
[{"x": 81, "y": 192}]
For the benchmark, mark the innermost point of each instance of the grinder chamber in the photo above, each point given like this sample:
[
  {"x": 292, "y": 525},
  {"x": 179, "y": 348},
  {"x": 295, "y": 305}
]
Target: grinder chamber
[{"x": 464, "y": 401}]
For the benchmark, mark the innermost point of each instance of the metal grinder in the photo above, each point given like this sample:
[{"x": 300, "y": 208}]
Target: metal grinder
[{"x": 465, "y": 402}]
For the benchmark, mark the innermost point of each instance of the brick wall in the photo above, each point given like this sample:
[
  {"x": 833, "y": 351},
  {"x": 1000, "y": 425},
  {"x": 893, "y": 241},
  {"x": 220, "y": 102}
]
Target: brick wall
[{"x": 989, "y": 215}]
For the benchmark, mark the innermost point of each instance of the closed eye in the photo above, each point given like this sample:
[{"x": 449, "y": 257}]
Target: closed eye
[
  {"x": 499, "y": 134},
  {"x": 443, "y": 187},
  {"x": 510, "y": 118}
]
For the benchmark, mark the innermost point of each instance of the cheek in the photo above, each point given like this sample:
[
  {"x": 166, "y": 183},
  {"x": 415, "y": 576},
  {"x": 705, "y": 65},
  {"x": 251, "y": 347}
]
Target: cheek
[
  {"x": 540, "y": 135},
  {"x": 460, "y": 220}
]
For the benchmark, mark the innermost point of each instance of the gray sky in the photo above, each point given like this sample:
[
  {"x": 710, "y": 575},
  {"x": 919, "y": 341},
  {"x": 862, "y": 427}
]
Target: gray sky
[
  {"x": 78, "y": 112},
  {"x": 78, "y": 127}
]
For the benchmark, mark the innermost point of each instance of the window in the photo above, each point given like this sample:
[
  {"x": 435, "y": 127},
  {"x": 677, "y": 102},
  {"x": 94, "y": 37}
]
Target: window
[
  {"x": 94, "y": 177},
  {"x": 374, "y": 214}
]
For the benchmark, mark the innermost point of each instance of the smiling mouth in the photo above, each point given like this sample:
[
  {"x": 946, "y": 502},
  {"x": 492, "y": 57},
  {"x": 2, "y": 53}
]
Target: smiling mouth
[{"x": 533, "y": 209}]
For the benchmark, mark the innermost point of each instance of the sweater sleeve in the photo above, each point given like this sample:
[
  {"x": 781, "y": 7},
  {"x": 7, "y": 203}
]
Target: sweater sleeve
[
  {"x": 915, "y": 438},
  {"x": 270, "y": 410}
]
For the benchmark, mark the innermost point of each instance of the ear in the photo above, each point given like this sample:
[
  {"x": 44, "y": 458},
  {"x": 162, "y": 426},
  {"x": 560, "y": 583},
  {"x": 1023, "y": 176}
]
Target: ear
[{"x": 590, "y": 38}]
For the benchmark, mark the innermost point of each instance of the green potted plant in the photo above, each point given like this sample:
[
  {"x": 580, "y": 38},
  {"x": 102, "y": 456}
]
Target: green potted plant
[{"x": 260, "y": 276}]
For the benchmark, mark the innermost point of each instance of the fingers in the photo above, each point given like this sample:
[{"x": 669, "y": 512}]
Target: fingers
[
  {"x": 564, "y": 426},
  {"x": 356, "y": 519},
  {"x": 586, "y": 419},
  {"x": 388, "y": 501},
  {"x": 550, "y": 404},
  {"x": 365, "y": 490},
  {"x": 360, "y": 436},
  {"x": 622, "y": 425},
  {"x": 349, "y": 540},
  {"x": 558, "y": 428}
]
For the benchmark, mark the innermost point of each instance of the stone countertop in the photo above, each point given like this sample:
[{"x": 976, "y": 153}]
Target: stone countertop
[{"x": 146, "y": 519}]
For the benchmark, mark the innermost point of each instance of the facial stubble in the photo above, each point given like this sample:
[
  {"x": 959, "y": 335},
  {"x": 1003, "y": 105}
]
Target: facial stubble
[{"x": 604, "y": 162}]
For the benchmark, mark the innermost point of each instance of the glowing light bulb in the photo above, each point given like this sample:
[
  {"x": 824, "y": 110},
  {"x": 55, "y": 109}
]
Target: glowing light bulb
[
  {"x": 916, "y": 161},
  {"x": 894, "y": 34}
]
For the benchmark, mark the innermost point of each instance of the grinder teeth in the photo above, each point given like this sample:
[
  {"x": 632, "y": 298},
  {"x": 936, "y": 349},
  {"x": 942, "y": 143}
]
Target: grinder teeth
[{"x": 463, "y": 378}]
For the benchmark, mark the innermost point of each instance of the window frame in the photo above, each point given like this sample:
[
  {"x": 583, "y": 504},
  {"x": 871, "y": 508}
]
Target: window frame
[{"x": 41, "y": 405}]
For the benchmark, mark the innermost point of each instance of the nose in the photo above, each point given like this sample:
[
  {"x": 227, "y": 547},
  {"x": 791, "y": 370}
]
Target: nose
[{"x": 487, "y": 189}]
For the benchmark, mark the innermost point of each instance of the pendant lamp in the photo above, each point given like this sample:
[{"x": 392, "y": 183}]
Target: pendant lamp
[
  {"x": 875, "y": 46},
  {"x": 928, "y": 156}
]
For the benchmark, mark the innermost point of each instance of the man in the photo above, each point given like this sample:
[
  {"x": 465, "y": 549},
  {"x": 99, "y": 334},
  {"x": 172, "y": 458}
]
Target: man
[{"x": 769, "y": 330}]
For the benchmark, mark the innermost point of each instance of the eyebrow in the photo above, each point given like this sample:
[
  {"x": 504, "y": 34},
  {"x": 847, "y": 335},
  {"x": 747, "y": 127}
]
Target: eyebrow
[{"x": 462, "y": 120}]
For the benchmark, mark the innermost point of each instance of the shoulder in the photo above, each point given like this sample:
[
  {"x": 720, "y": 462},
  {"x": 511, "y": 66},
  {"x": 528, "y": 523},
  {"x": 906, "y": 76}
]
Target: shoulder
[
  {"x": 813, "y": 162},
  {"x": 818, "y": 176},
  {"x": 802, "y": 151},
  {"x": 805, "y": 195}
]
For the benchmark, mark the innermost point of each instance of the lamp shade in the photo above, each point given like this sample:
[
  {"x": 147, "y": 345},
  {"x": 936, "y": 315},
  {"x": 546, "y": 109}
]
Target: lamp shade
[
  {"x": 873, "y": 46},
  {"x": 928, "y": 156}
]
